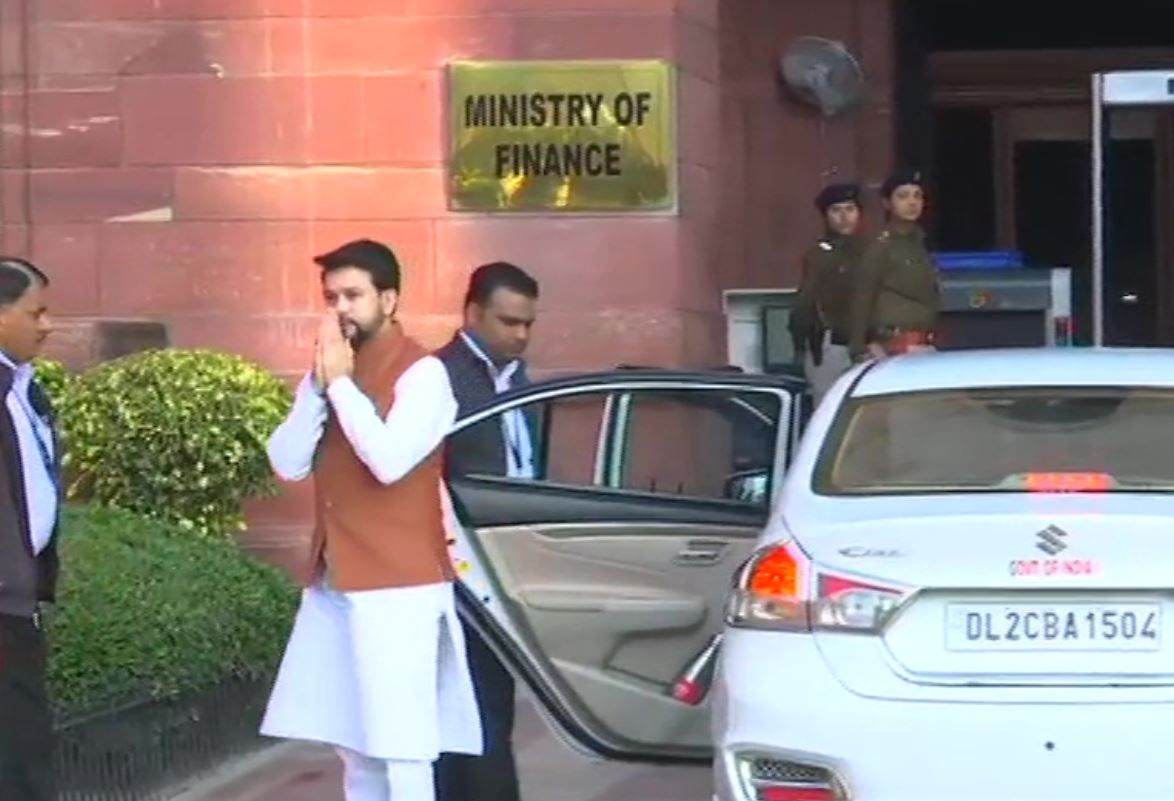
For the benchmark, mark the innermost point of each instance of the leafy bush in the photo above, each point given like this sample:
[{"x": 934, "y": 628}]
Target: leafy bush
[
  {"x": 146, "y": 610},
  {"x": 178, "y": 435},
  {"x": 54, "y": 379}
]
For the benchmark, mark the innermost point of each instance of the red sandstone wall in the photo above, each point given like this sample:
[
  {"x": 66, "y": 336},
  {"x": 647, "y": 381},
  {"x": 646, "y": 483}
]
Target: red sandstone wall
[
  {"x": 182, "y": 160},
  {"x": 774, "y": 151}
]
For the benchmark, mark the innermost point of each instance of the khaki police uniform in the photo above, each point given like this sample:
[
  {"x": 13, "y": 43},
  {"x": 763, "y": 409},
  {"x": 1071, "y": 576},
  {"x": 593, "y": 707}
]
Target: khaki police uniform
[
  {"x": 898, "y": 297},
  {"x": 822, "y": 311}
]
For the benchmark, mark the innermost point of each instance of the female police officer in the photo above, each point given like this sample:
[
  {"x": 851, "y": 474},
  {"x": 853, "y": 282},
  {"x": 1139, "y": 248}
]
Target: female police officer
[
  {"x": 819, "y": 323},
  {"x": 896, "y": 299}
]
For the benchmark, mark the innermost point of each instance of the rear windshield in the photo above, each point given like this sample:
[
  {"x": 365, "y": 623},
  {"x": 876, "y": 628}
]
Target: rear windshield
[{"x": 1001, "y": 440}]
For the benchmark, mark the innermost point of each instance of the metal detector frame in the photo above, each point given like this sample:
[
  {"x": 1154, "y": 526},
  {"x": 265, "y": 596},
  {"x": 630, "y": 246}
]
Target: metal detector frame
[{"x": 1115, "y": 90}]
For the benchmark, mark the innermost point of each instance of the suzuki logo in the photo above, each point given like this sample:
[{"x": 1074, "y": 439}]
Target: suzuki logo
[{"x": 1052, "y": 540}]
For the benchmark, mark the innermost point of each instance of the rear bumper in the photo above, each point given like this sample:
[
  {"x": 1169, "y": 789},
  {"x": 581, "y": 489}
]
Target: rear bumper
[{"x": 775, "y": 696}]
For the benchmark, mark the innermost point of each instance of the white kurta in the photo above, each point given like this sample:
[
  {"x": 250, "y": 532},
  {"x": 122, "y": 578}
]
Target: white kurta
[{"x": 383, "y": 672}]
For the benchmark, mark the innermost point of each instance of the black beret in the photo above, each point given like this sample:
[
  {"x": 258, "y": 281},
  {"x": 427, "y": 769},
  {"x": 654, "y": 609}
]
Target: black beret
[
  {"x": 902, "y": 177},
  {"x": 837, "y": 193}
]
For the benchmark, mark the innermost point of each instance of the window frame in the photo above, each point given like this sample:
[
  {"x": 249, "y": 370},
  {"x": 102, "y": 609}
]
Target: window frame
[
  {"x": 616, "y": 415},
  {"x": 620, "y": 439}
]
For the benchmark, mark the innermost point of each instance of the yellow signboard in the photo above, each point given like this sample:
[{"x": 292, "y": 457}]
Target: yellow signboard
[{"x": 562, "y": 136}]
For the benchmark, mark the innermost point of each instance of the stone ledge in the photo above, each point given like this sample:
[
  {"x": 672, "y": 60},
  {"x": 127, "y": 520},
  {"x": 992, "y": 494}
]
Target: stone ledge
[
  {"x": 284, "y": 546},
  {"x": 82, "y": 342}
]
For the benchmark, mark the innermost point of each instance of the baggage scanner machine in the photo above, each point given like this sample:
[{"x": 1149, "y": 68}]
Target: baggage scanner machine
[
  {"x": 986, "y": 302},
  {"x": 990, "y": 300}
]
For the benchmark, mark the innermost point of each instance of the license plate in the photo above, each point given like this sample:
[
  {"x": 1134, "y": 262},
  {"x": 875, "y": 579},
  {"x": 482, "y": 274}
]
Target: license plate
[{"x": 1054, "y": 627}]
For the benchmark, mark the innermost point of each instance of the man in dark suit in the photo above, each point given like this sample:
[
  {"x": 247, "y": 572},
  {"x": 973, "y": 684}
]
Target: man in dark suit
[
  {"x": 29, "y": 503},
  {"x": 483, "y": 359}
]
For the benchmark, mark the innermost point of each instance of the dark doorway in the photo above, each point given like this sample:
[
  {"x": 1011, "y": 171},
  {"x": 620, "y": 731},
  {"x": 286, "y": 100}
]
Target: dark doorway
[
  {"x": 993, "y": 99},
  {"x": 1132, "y": 303},
  {"x": 1053, "y": 202}
]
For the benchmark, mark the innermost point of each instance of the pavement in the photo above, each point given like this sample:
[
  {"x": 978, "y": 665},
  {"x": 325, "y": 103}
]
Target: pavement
[{"x": 548, "y": 771}]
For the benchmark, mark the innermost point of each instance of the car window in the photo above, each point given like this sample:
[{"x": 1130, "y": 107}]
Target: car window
[
  {"x": 1000, "y": 440},
  {"x": 563, "y": 436},
  {"x": 706, "y": 444}
]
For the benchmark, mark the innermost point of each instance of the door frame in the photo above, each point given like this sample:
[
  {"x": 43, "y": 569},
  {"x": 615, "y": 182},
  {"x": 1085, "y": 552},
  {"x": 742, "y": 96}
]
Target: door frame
[
  {"x": 1049, "y": 91},
  {"x": 479, "y": 597},
  {"x": 1013, "y": 124}
]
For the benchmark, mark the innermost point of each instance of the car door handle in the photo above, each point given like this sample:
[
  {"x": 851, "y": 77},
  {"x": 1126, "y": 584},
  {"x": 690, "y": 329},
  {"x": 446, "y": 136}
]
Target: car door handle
[{"x": 700, "y": 553}]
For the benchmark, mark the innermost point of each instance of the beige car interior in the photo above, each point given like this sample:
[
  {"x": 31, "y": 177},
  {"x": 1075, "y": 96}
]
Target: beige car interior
[{"x": 619, "y": 609}]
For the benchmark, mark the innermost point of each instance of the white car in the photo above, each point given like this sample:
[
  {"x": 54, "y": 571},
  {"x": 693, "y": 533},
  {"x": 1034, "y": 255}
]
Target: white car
[
  {"x": 956, "y": 584},
  {"x": 965, "y": 591}
]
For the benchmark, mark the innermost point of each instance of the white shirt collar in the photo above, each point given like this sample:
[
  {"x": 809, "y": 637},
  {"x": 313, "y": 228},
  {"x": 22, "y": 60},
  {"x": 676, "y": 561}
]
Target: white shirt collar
[
  {"x": 21, "y": 371},
  {"x": 504, "y": 371}
]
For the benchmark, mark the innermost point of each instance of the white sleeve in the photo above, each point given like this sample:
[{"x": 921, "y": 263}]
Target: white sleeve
[
  {"x": 292, "y": 446},
  {"x": 418, "y": 421}
]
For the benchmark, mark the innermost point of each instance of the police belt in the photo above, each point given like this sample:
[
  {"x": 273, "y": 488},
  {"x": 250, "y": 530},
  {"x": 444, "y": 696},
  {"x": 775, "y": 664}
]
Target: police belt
[{"x": 891, "y": 331}]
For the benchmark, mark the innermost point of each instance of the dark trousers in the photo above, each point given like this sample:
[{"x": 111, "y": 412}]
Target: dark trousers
[
  {"x": 26, "y": 723},
  {"x": 493, "y": 776}
]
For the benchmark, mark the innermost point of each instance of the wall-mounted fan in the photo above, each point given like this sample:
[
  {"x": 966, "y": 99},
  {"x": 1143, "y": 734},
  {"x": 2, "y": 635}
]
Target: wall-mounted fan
[{"x": 823, "y": 73}]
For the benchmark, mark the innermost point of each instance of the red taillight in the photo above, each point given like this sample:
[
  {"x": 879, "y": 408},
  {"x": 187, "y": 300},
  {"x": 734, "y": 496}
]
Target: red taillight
[
  {"x": 688, "y": 691},
  {"x": 846, "y": 603},
  {"x": 836, "y": 586},
  {"x": 779, "y": 574},
  {"x": 796, "y": 794},
  {"x": 1068, "y": 482},
  {"x": 1065, "y": 330},
  {"x": 776, "y": 591},
  {"x": 696, "y": 678}
]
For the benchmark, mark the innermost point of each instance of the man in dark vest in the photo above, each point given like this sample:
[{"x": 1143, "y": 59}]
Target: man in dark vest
[
  {"x": 483, "y": 359},
  {"x": 29, "y": 503}
]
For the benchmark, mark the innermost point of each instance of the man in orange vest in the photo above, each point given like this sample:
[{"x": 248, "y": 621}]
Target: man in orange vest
[{"x": 376, "y": 663}]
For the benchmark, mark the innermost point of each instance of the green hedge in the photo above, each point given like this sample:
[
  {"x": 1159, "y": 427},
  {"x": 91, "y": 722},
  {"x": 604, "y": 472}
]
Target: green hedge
[
  {"x": 54, "y": 379},
  {"x": 174, "y": 434},
  {"x": 147, "y": 611}
]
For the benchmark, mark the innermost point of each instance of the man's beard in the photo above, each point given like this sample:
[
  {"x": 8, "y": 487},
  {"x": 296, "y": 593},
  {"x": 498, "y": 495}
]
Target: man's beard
[{"x": 360, "y": 334}]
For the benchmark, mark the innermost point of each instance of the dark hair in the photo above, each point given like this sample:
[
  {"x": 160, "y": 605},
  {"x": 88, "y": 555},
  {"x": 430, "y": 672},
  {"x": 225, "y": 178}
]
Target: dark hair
[
  {"x": 373, "y": 258},
  {"x": 488, "y": 278},
  {"x": 16, "y": 276}
]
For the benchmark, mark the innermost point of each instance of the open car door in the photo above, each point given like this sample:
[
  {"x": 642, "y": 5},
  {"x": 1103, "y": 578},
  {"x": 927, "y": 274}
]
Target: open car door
[{"x": 600, "y": 579}]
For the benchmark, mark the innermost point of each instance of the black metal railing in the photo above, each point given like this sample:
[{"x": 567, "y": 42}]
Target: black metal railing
[{"x": 142, "y": 751}]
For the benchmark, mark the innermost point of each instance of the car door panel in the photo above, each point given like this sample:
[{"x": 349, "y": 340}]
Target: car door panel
[{"x": 601, "y": 595}]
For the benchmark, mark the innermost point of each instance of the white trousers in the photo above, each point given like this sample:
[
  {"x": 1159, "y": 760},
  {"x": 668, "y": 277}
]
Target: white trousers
[
  {"x": 381, "y": 673},
  {"x": 369, "y": 779}
]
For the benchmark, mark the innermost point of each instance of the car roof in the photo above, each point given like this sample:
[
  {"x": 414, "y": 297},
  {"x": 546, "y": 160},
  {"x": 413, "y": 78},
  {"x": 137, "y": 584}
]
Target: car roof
[{"x": 1018, "y": 367}]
